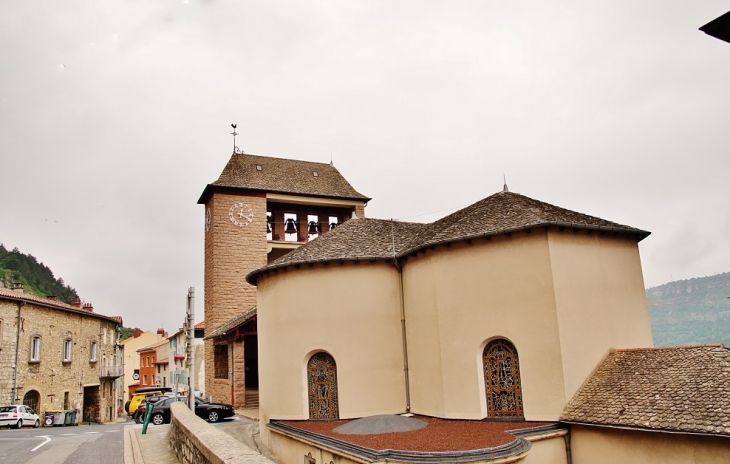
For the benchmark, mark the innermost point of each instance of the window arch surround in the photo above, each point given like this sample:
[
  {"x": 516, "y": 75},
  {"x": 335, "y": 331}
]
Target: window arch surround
[
  {"x": 322, "y": 391},
  {"x": 502, "y": 381},
  {"x": 32, "y": 399}
]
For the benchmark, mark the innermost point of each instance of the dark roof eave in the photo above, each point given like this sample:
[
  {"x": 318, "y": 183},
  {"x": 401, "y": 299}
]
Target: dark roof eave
[
  {"x": 644, "y": 429},
  {"x": 221, "y": 333},
  {"x": 641, "y": 234},
  {"x": 61, "y": 308},
  {"x": 253, "y": 276},
  {"x": 208, "y": 191}
]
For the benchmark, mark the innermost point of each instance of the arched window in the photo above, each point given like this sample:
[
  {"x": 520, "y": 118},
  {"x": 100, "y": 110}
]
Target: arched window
[
  {"x": 32, "y": 399},
  {"x": 502, "y": 380},
  {"x": 322, "y": 386}
]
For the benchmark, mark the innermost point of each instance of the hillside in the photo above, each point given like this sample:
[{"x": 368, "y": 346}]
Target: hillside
[
  {"x": 37, "y": 278},
  {"x": 689, "y": 312}
]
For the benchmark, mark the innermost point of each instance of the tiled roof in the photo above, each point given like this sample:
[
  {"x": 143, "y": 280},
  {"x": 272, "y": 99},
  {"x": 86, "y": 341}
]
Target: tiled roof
[
  {"x": 232, "y": 323},
  {"x": 497, "y": 214},
  {"x": 154, "y": 345},
  {"x": 162, "y": 361},
  {"x": 278, "y": 175},
  {"x": 200, "y": 325},
  {"x": 55, "y": 304},
  {"x": 118, "y": 319},
  {"x": 679, "y": 389}
]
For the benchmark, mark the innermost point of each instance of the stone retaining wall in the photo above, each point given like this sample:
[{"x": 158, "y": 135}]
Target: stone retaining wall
[{"x": 195, "y": 441}]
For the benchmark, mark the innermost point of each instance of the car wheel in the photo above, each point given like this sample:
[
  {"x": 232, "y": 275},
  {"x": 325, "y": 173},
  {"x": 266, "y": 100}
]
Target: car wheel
[
  {"x": 138, "y": 418},
  {"x": 126, "y": 407},
  {"x": 19, "y": 425},
  {"x": 37, "y": 424},
  {"x": 213, "y": 416},
  {"x": 158, "y": 419}
]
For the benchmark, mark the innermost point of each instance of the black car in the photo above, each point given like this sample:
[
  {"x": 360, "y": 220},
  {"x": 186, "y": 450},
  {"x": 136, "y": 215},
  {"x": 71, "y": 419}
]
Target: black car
[
  {"x": 212, "y": 412},
  {"x": 139, "y": 413}
]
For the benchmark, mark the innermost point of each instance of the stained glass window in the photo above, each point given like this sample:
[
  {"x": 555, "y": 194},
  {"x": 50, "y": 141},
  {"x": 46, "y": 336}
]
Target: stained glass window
[
  {"x": 322, "y": 386},
  {"x": 502, "y": 380}
]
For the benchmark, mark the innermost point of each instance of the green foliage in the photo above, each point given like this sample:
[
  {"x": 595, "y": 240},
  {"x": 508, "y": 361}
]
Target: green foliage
[
  {"x": 691, "y": 312},
  {"x": 126, "y": 333},
  {"x": 37, "y": 278}
]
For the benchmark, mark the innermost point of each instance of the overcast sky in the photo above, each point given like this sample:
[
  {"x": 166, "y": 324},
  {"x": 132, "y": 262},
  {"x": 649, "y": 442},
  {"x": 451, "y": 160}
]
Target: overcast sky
[{"x": 114, "y": 115}]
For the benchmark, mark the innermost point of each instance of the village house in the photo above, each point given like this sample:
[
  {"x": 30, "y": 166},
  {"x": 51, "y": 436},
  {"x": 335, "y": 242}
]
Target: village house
[
  {"x": 153, "y": 360},
  {"x": 128, "y": 348},
  {"x": 55, "y": 356}
]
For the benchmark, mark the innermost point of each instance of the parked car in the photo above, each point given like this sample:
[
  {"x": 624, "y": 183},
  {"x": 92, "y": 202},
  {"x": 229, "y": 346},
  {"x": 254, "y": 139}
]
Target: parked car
[
  {"x": 17, "y": 416},
  {"x": 212, "y": 412},
  {"x": 138, "y": 415},
  {"x": 140, "y": 394}
]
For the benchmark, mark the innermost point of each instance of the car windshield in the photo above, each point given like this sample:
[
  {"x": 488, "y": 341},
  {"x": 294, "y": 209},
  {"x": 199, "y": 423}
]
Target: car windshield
[
  {"x": 7, "y": 408},
  {"x": 201, "y": 401}
]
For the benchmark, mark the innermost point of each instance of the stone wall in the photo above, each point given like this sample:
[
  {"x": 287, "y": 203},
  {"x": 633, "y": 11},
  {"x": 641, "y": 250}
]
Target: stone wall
[
  {"x": 231, "y": 252},
  {"x": 194, "y": 441},
  {"x": 60, "y": 384}
]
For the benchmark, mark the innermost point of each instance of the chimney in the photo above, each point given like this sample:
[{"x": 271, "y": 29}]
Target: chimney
[
  {"x": 89, "y": 307},
  {"x": 161, "y": 332},
  {"x": 76, "y": 304},
  {"x": 52, "y": 297},
  {"x": 18, "y": 287},
  {"x": 136, "y": 333}
]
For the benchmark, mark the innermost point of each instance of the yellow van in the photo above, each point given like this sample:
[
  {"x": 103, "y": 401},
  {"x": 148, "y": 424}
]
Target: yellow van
[{"x": 140, "y": 394}]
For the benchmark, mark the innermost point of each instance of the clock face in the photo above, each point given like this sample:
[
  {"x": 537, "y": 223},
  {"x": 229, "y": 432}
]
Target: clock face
[
  {"x": 207, "y": 219},
  {"x": 240, "y": 214}
]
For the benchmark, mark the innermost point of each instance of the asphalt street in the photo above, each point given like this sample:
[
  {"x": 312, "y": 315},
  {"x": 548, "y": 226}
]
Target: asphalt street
[{"x": 83, "y": 444}]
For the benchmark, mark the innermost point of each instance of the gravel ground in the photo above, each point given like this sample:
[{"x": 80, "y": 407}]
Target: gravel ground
[{"x": 440, "y": 434}]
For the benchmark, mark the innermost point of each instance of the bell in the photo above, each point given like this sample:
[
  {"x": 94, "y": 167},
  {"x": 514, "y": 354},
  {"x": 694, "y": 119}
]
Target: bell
[
  {"x": 333, "y": 225},
  {"x": 269, "y": 220},
  {"x": 313, "y": 228},
  {"x": 290, "y": 227}
]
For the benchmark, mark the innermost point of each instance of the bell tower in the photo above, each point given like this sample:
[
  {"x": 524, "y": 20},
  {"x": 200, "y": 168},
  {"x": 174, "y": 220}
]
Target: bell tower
[{"x": 259, "y": 209}]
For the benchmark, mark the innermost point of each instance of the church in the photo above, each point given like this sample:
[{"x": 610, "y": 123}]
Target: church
[{"x": 509, "y": 331}]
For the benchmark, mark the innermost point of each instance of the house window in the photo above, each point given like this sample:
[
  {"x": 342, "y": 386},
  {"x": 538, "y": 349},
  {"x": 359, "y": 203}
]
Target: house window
[
  {"x": 92, "y": 352},
  {"x": 32, "y": 399},
  {"x": 65, "y": 400},
  {"x": 144, "y": 379},
  {"x": 221, "y": 361},
  {"x": 67, "y": 350},
  {"x": 502, "y": 380},
  {"x": 35, "y": 349},
  {"x": 322, "y": 387}
]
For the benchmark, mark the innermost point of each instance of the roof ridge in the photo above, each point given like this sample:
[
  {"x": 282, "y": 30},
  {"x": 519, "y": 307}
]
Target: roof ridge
[
  {"x": 658, "y": 348},
  {"x": 285, "y": 159}
]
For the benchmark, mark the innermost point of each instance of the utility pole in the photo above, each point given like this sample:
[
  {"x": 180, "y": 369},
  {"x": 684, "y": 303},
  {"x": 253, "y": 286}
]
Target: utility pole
[{"x": 190, "y": 348}]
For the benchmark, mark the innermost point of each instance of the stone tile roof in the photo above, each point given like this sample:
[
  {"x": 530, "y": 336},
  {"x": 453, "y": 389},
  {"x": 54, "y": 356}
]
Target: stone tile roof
[
  {"x": 506, "y": 212},
  {"x": 500, "y": 213},
  {"x": 278, "y": 175},
  {"x": 54, "y": 304},
  {"x": 232, "y": 323},
  {"x": 678, "y": 389}
]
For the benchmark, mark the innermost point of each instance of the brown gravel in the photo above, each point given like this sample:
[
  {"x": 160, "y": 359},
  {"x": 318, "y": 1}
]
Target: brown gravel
[{"x": 438, "y": 436}]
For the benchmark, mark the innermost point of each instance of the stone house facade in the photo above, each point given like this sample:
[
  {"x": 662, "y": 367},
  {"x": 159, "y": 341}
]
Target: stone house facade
[{"x": 55, "y": 356}]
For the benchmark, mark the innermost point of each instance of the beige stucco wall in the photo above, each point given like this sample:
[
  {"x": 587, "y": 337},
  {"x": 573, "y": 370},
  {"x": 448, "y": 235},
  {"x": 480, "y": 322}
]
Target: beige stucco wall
[
  {"x": 601, "y": 301},
  {"x": 350, "y": 311},
  {"x": 547, "y": 451},
  {"x": 608, "y": 446},
  {"x": 130, "y": 358},
  {"x": 459, "y": 298}
]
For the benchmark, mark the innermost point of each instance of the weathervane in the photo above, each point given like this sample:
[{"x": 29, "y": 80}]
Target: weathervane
[{"x": 234, "y": 134}]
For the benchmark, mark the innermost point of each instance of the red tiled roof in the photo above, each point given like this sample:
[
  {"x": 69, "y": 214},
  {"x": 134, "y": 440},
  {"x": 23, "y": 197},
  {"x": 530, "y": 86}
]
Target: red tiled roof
[
  {"x": 200, "y": 325},
  {"x": 54, "y": 304}
]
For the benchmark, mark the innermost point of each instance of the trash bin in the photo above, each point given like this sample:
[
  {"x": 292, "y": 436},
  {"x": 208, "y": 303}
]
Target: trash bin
[
  {"x": 48, "y": 419},
  {"x": 59, "y": 417},
  {"x": 77, "y": 415},
  {"x": 69, "y": 418}
]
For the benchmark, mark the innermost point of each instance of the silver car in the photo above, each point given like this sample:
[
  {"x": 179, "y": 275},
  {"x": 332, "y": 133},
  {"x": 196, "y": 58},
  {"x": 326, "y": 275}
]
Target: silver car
[{"x": 17, "y": 416}]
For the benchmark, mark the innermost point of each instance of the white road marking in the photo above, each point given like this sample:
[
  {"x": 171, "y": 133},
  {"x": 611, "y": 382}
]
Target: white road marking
[
  {"x": 41, "y": 436},
  {"x": 112, "y": 431},
  {"x": 92, "y": 432},
  {"x": 67, "y": 434}
]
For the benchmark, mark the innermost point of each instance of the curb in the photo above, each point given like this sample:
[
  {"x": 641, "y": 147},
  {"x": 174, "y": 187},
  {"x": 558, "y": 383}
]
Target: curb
[{"x": 132, "y": 453}]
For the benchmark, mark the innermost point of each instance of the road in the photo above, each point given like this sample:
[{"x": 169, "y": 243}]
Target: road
[{"x": 84, "y": 444}]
